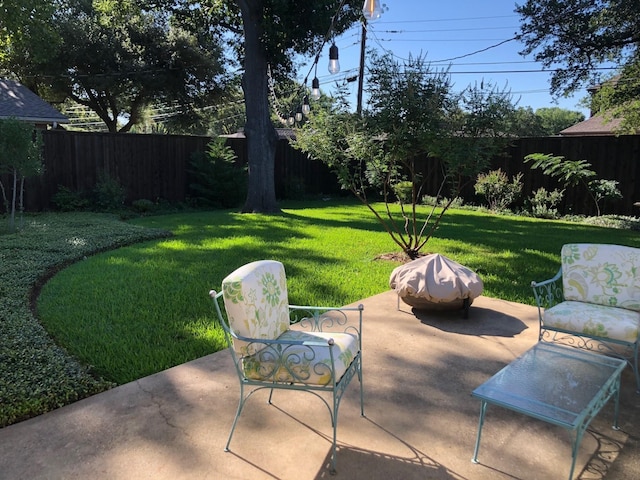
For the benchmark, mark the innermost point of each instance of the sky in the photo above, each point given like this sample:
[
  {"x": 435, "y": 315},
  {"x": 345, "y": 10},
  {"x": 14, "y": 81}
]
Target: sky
[{"x": 463, "y": 34}]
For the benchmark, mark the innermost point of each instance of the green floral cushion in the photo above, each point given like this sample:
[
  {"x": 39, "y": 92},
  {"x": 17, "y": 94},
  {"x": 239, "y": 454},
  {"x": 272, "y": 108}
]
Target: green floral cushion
[
  {"x": 310, "y": 365},
  {"x": 602, "y": 274},
  {"x": 594, "y": 320},
  {"x": 255, "y": 298}
]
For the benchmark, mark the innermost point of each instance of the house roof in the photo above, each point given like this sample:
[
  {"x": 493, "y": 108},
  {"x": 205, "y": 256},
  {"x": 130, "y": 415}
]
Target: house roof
[
  {"x": 19, "y": 102},
  {"x": 594, "y": 126}
]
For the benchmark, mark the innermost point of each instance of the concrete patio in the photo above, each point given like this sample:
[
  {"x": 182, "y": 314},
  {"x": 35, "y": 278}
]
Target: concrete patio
[{"x": 421, "y": 420}]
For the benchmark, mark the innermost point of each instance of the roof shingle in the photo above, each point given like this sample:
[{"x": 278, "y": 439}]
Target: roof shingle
[{"x": 19, "y": 102}]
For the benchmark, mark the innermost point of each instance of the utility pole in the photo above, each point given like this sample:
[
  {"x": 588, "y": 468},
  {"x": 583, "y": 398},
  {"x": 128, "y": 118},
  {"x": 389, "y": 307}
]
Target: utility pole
[{"x": 363, "y": 41}]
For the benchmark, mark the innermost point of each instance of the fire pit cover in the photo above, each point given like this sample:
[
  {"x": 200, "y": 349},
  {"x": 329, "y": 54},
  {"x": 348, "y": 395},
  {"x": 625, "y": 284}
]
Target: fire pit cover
[{"x": 435, "y": 282}]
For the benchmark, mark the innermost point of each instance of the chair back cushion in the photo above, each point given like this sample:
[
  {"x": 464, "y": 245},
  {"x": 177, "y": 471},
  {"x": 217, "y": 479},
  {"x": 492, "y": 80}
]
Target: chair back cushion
[
  {"x": 255, "y": 298},
  {"x": 602, "y": 274}
]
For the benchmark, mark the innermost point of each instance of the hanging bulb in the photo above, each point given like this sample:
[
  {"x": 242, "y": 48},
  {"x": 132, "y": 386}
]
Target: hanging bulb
[
  {"x": 315, "y": 89},
  {"x": 334, "y": 64},
  {"x": 299, "y": 114},
  {"x": 306, "y": 108},
  {"x": 371, "y": 10},
  {"x": 291, "y": 120}
]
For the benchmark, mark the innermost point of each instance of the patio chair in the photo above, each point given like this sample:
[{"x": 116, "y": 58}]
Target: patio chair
[{"x": 275, "y": 345}]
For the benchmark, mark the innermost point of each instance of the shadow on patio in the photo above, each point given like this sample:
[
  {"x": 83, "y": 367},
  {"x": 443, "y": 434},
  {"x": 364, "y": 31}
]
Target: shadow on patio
[{"x": 421, "y": 421}]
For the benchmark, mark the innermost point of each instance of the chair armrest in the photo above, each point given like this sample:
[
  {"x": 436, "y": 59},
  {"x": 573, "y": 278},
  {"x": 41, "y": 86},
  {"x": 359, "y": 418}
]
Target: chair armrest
[
  {"x": 267, "y": 342},
  {"x": 327, "y": 319},
  {"x": 548, "y": 292}
]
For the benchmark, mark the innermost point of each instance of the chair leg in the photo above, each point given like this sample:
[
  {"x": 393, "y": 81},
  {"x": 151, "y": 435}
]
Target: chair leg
[
  {"x": 235, "y": 420},
  {"x": 636, "y": 370},
  {"x": 361, "y": 386},
  {"x": 334, "y": 422}
]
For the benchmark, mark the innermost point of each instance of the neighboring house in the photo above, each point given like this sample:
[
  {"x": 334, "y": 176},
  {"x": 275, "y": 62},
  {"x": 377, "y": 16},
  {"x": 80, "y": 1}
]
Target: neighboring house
[
  {"x": 17, "y": 101},
  {"x": 593, "y": 126},
  {"x": 596, "y": 125}
]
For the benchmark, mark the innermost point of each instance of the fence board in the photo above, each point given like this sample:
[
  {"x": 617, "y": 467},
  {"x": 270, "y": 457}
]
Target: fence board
[{"x": 156, "y": 167}]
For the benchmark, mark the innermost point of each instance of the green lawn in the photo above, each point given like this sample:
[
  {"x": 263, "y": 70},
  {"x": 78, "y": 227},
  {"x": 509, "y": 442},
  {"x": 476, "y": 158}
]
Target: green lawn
[
  {"x": 121, "y": 314},
  {"x": 144, "y": 308}
]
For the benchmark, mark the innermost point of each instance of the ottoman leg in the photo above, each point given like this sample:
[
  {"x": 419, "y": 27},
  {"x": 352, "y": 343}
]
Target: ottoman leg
[{"x": 465, "y": 305}]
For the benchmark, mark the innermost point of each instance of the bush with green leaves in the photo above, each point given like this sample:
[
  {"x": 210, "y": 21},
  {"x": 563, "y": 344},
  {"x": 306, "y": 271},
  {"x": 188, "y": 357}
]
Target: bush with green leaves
[
  {"x": 456, "y": 202},
  {"x": 108, "y": 194},
  {"x": 543, "y": 203},
  {"x": 496, "y": 188},
  {"x": 404, "y": 191},
  {"x": 143, "y": 205},
  {"x": 68, "y": 200},
  {"x": 576, "y": 172},
  {"x": 215, "y": 179}
]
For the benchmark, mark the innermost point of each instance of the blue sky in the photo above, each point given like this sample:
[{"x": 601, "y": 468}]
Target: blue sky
[{"x": 444, "y": 30}]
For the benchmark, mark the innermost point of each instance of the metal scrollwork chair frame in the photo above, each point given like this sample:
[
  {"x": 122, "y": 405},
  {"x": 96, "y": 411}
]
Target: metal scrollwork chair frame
[
  {"x": 549, "y": 293},
  {"x": 307, "y": 357}
]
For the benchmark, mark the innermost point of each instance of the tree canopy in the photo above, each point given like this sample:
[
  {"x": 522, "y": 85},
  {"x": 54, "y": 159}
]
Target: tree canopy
[
  {"x": 580, "y": 39},
  {"x": 264, "y": 36},
  {"x": 415, "y": 127},
  {"x": 116, "y": 57}
]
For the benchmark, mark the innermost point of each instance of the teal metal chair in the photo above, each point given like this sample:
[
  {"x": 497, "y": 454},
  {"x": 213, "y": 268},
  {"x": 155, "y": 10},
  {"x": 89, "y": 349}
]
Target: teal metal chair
[{"x": 275, "y": 345}]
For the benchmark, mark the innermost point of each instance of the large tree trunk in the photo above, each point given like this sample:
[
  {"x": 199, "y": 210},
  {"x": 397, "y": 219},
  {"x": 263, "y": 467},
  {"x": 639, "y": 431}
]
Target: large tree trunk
[{"x": 259, "y": 131}]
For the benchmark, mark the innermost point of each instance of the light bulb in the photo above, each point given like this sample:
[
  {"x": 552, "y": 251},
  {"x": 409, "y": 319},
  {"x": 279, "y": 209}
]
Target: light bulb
[
  {"x": 334, "y": 64},
  {"x": 315, "y": 89},
  {"x": 299, "y": 114},
  {"x": 291, "y": 120},
  {"x": 306, "y": 108},
  {"x": 371, "y": 10}
]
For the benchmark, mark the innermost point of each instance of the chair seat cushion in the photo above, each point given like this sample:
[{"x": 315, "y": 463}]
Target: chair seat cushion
[
  {"x": 594, "y": 320},
  {"x": 309, "y": 365}
]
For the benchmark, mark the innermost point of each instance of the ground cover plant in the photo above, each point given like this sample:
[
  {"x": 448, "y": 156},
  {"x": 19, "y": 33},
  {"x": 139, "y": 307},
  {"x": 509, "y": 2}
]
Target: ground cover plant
[
  {"x": 144, "y": 307},
  {"x": 36, "y": 374}
]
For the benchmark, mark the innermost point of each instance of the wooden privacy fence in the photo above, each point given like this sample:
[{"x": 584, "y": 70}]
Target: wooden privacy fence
[{"x": 156, "y": 167}]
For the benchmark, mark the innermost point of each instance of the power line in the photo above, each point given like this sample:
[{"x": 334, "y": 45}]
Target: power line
[{"x": 462, "y": 19}]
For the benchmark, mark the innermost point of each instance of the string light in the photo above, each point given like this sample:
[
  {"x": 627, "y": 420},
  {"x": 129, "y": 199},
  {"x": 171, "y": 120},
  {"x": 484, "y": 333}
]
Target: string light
[
  {"x": 306, "y": 108},
  {"x": 371, "y": 10},
  {"x": 315, "y": 89},
  {"x": 334, "y": 64}
]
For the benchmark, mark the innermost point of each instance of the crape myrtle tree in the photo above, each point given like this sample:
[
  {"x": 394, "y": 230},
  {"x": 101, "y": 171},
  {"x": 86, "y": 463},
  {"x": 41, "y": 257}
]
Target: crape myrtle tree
[
  {"x": 117, "y": 57},
  {"x": 20, "y": 158},
  {"x": 582, "y": 36},
  {"x": 265, "y": 35},
  {"x": 413, "y": 118}
]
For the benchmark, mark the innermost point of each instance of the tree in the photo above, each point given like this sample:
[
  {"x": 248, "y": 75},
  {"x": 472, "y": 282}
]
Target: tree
[
  {"x": 582, "y": 36},
  {"x": 117, "y": 57},
  {"x": 413, "y": 116},
  {"x": 265, "y": 35},
  {"x": 526, "y": 123},
  {"x": 555, "y": 119},
  {"x": 576, "y": 172},
  {"x": 20, "y": 157}
]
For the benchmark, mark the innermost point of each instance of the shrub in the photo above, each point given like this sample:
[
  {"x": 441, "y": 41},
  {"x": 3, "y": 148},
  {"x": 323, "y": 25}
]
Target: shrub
[
  {"x": 143, "y": 205},
  {"x": 495, "y": 187},
  {"x": 404, "y": 191},
  {"x": 108, "y": 193},
  {"x": 216, "y": 181},
  {"x": 68, "y": 200},
  {"x": 543, "y": 203},
  {"x": 435, "y": 201},
  {"x": 294, "y": 188}
]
